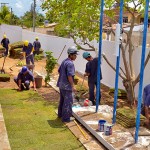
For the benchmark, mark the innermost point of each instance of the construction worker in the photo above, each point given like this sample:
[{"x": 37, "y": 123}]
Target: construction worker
[
  {"x": 28, "y": 52},
  {"x": 37, "y": 46},
  {"x": 5, "y": 44},
  {"x": 146, "y": 102},
  {"x": 91, "y": 73},
  {"x": 66, "y": 85},
  {"x": 24, "y": 78}
]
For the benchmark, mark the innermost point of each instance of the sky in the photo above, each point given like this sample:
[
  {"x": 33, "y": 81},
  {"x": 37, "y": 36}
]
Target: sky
[{"x": 19, "y": 7}]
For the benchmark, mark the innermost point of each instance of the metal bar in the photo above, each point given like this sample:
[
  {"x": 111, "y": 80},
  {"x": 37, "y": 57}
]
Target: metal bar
[
  {"x": 99, "y": 55},
  {"x": 142, "y": 71},
  {"x": 117, "y": 67}
]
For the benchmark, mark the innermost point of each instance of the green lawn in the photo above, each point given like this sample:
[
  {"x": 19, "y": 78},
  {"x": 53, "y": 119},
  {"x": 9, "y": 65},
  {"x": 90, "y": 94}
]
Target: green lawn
[{"x": 32, "y": 125}]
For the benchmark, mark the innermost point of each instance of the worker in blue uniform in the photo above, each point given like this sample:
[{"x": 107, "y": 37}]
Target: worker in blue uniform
[
  {"x": 66, "y": 85},
  {"x": 5, "y": 43},
  {"x": 24, "y": 78},
  {"x": 146, "y": 102},
  {"x": 91, "y": 73},
  {"x": 28, "y": 52},
  {"x": 37, "y": 46}
]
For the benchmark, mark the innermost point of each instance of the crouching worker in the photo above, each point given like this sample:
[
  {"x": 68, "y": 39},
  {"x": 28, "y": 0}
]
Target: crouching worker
[
  {"x": 24, "y": 78},
  {"x": 146, "y": 101}
]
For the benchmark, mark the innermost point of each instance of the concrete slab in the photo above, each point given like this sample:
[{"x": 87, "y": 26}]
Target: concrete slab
[
  {"x": 120, "y": 139},
  {"x": 4, "y": 142}
]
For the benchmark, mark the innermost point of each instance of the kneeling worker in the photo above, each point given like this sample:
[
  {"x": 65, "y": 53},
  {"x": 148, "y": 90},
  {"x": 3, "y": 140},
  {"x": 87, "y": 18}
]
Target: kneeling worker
[{"x": 24, "y": 78}]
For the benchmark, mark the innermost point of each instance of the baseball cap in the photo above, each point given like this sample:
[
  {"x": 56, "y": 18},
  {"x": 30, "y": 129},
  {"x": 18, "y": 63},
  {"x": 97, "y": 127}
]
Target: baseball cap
[
  {"x": 24, "y": 69},
  {"x": 86, "y": 55}
]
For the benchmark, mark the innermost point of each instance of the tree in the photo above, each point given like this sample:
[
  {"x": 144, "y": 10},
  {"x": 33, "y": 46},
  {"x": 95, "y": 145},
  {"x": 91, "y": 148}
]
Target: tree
[{"x": 80, "y": 19}]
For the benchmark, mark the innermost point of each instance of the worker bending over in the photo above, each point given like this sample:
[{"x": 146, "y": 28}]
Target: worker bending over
[{"x": 28, "y": 52}]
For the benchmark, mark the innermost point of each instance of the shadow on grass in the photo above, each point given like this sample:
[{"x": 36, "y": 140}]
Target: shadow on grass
[{"x": 56, "y": 123}]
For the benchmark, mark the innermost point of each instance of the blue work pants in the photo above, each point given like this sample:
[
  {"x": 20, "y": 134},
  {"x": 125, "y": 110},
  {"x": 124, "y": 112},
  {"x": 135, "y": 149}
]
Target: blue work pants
[
  {"x": 65, "y": 105},
  {"x": 24, "y": 85},
  {"x": 91, "y": 92},
  {"x": 30, "y": 58}
]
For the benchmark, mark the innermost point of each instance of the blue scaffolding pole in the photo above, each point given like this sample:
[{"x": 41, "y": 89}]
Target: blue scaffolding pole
[
  {"x": 99, "y": 56},
  {"x": 142, "y": 71},
  {"x": 117, "y": 67}
]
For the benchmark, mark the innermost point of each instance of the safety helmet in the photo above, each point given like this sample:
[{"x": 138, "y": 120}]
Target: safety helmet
[
  {"x": 86, "y": 55},
  {"x": 72, "y": 50},
  {"x": 24, "y": 69},
  {"x": 4, "y": 36},
  {"x": 36, "y": 38},
  {"x": 26, "y": 43}
]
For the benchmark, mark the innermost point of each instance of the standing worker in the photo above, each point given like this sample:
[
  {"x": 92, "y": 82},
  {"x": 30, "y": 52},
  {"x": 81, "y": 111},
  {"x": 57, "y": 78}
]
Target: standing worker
[
  {"x": 91, "y": 72},
  {"x": 28, "y": 52},
  {"x": 146, "y": 101},
  {"x": 24, "y": 78},
  {"x": 66, "y": 85},
  {"x": 37, "y": 46},
  {"x": 5, "y": 44}
]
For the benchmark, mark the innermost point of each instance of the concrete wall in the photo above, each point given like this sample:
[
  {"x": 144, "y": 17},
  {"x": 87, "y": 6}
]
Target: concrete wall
[
  {"x": 56, "y": 44},
  {"x": 14, "y": 33}
]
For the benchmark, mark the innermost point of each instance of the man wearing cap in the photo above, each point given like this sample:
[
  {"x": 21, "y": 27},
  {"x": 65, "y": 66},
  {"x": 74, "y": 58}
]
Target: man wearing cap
[
  {"x": 91, "y": 72},
  {"x": 146, "y": 102},
  {"x": 5, "y": 44},
  {"x": 24, "y": 78},
  {"x": 66, "y": 85},
  {"x": 28, "y": 52},
  {"x": 37, "y": 46}
]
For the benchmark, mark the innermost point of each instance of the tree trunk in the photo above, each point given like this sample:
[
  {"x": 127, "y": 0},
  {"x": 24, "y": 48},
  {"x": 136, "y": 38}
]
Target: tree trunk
[{"x": 130, "y": 91}]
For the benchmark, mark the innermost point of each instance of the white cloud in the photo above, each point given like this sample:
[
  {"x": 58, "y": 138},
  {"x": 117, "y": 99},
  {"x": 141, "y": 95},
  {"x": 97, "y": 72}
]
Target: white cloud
[{"x": 19, "y": 4}]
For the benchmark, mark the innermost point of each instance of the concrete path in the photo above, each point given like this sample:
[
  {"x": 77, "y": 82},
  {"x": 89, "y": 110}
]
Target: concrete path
[{"x": 4, "y": 142}]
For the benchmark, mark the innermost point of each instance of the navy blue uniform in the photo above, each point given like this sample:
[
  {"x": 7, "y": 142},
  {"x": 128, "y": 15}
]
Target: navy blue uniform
[
  {"x": 37, "y": 46},
  {"x": 91, "y": 68},
  {"x": 5, "y": 43},
  {"x": 146, "y": 95},
  {"x": 65, "y": 104},
  {"x": 25, "y": 79},
  {"x": 28, "y": 51}
]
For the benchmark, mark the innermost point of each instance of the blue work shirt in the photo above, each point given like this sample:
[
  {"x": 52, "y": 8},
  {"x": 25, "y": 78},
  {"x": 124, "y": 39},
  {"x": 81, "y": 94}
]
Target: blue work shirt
[
  {"x": 37, "y": 45},
  {"x": 66, "y": 69},
  {"x": 25, "y": 77},
  {"x": 91, "y": 68},
  {"x": 27, "y": 49},
  {"x": 5, "y": 42},
  {"x": 146, "y": 95}
]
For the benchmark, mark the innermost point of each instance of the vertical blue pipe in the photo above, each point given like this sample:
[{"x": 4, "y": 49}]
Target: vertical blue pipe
[
  {"x": 142, "y": 71},
  {"x": 117, "y": 67},
  {"x": 99, "y": 56}
]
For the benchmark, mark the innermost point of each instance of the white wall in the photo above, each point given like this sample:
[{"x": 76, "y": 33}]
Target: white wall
[
  {"x": 14, "y": 33},
  {"x": 56, "y": 44}
]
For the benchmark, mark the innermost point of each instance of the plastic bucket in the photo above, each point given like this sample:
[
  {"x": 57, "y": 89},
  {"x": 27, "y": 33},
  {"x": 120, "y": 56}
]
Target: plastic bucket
[
  {"x": 38, "y": 81},
  {"x": 101, "y": 125},
  {"x": 108, "y": 129}
]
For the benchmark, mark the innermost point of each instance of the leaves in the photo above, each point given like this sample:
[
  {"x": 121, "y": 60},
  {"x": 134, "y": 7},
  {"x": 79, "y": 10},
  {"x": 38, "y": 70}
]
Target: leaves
[{"x": 50, "y": 65}]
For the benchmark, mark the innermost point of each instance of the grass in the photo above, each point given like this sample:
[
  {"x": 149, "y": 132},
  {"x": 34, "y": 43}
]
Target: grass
[{"x": 32, "y": 123}]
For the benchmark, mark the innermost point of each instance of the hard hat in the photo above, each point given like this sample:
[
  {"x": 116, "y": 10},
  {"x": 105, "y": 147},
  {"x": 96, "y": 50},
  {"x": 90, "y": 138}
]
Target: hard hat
[
  {"x": 24, "y": 69},
  {"x": 86, "y": 55},
  {"x": 37, "y": 38},
  {"x": 72, "y": 50},
  {"x": 4, "y": 36},
  {"x": 26, "y": 43}
]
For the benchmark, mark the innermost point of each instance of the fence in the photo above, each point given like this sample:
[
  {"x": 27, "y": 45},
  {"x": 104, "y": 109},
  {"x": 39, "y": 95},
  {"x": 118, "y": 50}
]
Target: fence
[{"x": 56, "y": 44}]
